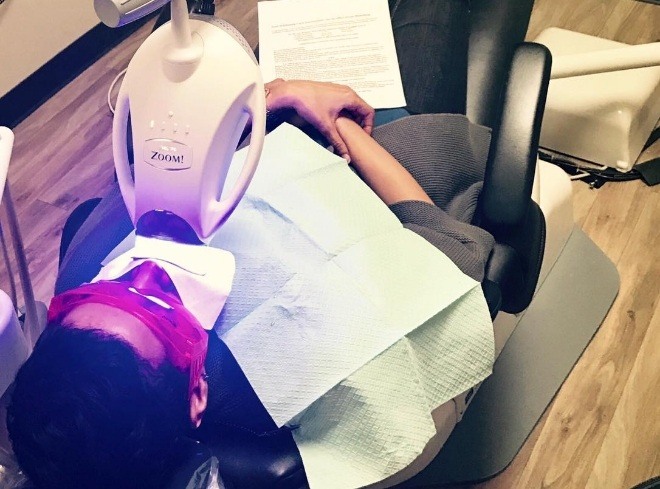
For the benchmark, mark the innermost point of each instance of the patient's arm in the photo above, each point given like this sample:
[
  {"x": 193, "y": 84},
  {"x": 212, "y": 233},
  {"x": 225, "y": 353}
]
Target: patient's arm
[
  {"x": 319, "y": 104},
  {"x": 379, "y": 169}
]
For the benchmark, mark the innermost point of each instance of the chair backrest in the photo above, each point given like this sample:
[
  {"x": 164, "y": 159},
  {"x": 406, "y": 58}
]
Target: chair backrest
[{"x": 497, "y": 26}]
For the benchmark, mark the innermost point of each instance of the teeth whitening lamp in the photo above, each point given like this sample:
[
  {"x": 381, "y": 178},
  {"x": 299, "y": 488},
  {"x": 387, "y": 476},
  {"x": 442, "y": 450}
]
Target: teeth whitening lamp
[{"x": 189, "y": 90}]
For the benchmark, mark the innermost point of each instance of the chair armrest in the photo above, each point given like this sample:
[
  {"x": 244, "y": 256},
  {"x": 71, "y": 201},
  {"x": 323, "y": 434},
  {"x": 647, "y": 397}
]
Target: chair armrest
[
  {"x": 515, "y": 263},
  {"x": 511, "y": 163}
]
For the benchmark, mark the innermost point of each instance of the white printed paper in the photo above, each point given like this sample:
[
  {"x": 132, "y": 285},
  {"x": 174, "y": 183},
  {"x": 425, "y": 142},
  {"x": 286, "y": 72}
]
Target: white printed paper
[{"x": 341, "y": 41}]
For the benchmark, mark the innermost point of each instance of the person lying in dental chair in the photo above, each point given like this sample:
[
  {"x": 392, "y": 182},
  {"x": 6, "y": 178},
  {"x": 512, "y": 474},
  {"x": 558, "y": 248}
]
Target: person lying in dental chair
[{"x": 124, "y": 371}]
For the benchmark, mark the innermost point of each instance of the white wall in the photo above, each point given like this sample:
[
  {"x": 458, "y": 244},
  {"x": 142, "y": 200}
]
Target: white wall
[{"x": 34, "y": 31}]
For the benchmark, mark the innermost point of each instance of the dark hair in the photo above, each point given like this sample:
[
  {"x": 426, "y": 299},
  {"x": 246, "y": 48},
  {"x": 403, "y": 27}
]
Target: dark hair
[{"x": 87, "y": 411}]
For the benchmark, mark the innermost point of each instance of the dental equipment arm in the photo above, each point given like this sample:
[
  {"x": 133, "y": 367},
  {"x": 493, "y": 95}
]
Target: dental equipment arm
[
  {"x": 380, "y": 170},
  {"x": 627, "y": 58},
  {"x": 34, "y": 321},
  {"x": 116, "y": 13}
]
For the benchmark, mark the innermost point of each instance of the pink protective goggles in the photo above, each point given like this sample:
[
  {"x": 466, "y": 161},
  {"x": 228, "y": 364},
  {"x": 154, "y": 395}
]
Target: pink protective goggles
[{"x": 148, "y": 294}]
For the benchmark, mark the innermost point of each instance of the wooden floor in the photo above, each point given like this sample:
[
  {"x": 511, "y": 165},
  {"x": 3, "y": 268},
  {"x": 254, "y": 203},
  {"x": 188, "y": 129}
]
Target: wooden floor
[{"x": 602, "y": 430}]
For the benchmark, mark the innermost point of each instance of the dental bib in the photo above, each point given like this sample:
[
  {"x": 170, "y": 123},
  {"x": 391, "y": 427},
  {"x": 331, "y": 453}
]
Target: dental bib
[{"x": 350, "y": 328}]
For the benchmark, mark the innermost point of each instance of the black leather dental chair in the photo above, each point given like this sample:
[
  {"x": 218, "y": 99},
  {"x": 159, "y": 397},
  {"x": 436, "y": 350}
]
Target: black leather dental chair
[{"x": 507, "y": 85}]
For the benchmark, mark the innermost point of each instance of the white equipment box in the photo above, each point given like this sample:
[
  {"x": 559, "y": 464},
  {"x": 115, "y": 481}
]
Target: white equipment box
[{"x": 603, "y": 118}]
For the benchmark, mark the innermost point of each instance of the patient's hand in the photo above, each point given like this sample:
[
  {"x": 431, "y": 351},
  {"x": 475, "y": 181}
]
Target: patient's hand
[{"x": 320, "y": 104}]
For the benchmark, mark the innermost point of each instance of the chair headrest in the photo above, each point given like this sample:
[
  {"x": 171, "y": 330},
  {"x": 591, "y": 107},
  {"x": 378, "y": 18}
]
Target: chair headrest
[{"x": 199, "y": 469}]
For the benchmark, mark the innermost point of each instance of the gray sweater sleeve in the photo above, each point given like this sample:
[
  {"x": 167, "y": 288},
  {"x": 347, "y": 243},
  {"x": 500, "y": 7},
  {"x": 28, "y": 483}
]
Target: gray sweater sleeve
[
  {"x": 466, "y": 245},
  {"x": 447, "y": 155}
]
